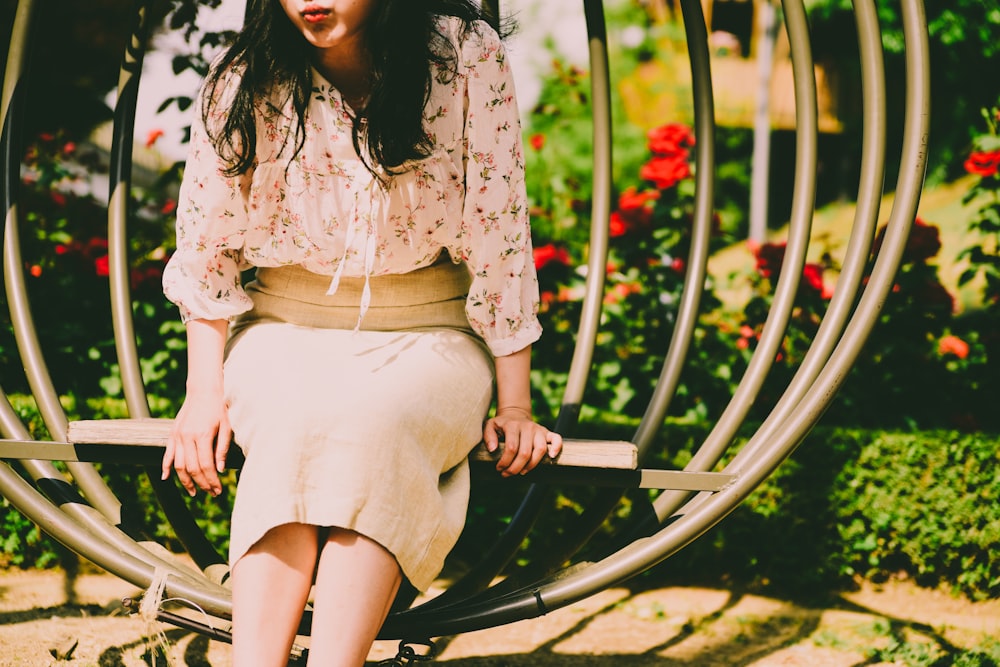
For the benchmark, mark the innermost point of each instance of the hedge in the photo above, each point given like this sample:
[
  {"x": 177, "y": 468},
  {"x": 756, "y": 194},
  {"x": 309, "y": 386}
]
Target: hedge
[{"x": 853, "y": 504}]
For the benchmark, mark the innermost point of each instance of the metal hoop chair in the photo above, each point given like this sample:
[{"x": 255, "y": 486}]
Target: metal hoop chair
[{"x": 87, "y": 517}]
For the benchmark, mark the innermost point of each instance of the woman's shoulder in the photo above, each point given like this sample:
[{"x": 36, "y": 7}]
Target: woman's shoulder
[
  {"x": 472, "y": 40},
  {"x": 222, "y": 82}
]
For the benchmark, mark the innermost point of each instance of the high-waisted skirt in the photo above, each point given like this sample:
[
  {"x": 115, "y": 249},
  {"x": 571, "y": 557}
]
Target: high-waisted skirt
[{"x": 364, "y": 429}]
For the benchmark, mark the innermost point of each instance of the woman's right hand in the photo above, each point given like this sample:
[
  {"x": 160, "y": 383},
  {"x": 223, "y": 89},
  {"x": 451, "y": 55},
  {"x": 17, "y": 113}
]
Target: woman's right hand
[{"x": 199, "y": 442}]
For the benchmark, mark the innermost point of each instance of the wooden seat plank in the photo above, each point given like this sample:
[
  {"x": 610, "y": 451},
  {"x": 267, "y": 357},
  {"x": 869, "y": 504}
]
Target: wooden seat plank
[
  {"x": 621, "y": 455},
  {"x": 141, "y": 442}
]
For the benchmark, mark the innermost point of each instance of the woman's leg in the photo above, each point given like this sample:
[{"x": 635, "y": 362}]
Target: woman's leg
[
  {"x": 270, "y": 587},
  {"x": 356, "y": 582}
]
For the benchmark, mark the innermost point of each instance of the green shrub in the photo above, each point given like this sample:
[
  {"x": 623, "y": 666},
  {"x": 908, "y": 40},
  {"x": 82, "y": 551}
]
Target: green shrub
[
  {"x": 855, "y": 504},
  {"x": 927, "y": 504}
]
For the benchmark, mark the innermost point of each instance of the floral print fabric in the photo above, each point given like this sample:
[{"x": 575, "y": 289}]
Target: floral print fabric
[{"x": 326, "y": 211}]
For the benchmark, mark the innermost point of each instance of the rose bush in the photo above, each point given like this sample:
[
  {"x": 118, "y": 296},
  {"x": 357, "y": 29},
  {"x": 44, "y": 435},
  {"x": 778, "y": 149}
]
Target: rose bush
[
  {"x": 981, "y": 328},
  {"x": 650, "y": 231},
  {"x": 65, "y": 253}
]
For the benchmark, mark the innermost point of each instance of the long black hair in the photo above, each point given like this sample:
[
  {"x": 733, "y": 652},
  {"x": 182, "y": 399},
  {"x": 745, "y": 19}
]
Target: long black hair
[{"x": 269, "y": 56}]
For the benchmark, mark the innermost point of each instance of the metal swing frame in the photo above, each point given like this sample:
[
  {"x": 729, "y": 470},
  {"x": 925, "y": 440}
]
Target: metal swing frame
[{"x": 87, "y": 517}]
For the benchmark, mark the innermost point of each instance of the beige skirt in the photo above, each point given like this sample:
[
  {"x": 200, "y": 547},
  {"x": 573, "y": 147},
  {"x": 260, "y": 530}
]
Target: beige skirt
[{"x": 368, "y": 429}]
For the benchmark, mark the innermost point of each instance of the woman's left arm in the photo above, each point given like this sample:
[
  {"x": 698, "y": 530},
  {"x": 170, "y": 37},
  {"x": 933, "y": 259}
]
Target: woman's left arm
[
  {"x": 495, "y": 240},
  {"x": 525, "y": 443}
]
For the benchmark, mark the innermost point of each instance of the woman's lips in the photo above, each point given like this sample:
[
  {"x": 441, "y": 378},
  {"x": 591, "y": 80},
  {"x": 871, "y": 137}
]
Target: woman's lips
[{"x": 314, "y": 13}]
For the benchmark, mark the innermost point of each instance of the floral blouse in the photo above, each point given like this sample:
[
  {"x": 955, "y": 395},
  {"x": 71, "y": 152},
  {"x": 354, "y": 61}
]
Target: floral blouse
[{"x": 326, "y": 211}]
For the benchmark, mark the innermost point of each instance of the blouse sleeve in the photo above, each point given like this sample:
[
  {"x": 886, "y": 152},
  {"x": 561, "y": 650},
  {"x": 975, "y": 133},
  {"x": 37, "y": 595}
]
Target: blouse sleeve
[
  {"x": 203, "y": 275},
  {"x": 503, "y": 299}
]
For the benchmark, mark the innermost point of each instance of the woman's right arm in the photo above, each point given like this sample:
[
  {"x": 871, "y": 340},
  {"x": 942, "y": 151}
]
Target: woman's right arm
[
  {"x": 203, "y": 279},
  {"x": 201, "y": 435}
]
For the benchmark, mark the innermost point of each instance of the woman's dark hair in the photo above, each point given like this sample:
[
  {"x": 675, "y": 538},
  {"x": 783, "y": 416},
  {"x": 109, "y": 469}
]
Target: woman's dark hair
[{"x": 271, "y": 57}]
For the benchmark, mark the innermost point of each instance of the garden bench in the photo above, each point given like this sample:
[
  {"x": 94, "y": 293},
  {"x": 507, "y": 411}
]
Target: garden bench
[{"x": 75, "y": 506}]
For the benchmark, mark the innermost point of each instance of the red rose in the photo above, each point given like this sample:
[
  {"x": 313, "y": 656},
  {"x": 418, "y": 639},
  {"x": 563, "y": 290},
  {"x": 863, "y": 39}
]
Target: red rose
[
  {"x": 101, "y": 266},
  {"x": 550, "y": 253},
  {"x": 923, "y": 242},
  {"x": 813, "y": 273},
  {"x": 537, "y": 141},
  {"x": 666, "y": 172},
  {"x": 632, "y": 199},
  {"x": 153, "y": 136},
  {"x": 747, "y": 333},
  {"x": 169, "y": 207},
  {"x": 983, "y": 163},
  {"x": 769, "y": 259},
  {"x": 636, "y": 208},
  {"x": 953, "y": 345},
  {"x": 96, "y": 247},
  {"x": 620, "y": 291},
  {"x": 670, "y": 139},
  {"x": 617, "y": 225}
]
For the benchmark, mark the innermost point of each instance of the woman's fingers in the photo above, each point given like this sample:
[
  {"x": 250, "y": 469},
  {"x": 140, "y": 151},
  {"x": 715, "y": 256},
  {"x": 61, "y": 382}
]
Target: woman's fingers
[
  {"x": 205, "y": 475},
  {"x": 491, "y": 435},
  {"x": 195, "y": 465},
  {"x": 525, "y": 445},
  {"x": 168, "y": 457},
  {"x": 553, "y": 444},
  {"x": 539, "y": 448},
  {"x": 511, "y": 444},
  {"x": 201, "y": 462},
  {"x": 198, "y": 446},
  {"x": 222, "y": 446},
  {"x": 180, "y": 466}
]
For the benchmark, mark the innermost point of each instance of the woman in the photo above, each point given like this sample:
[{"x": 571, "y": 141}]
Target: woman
[{"x": 365, "y": 157}]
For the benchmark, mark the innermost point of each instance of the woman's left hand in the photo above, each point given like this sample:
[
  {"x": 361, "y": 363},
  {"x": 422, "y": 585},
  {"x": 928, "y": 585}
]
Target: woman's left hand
[{"x": 525, "y": 443}]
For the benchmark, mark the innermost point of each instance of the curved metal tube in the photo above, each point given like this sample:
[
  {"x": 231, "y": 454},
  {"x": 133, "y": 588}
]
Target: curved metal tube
[
  {"x": 174, "y": 508},
  {"x": 598, "y": 509},
  {"x": 97, "y": 492},
  {"x": 521, "y": 523},
  {"x": 600, "y": 215},
  {"x": 872, "y": 178},
  {"x": 913, "y": 163},
  {"x": 119, "y": 191},
  {"x": 803, "y": 203},
  {"x": 104, "y": 523},
  {"x": 704, "y": 206},
  {"x": 862, "y": 233},
  {"x": 213, "y": 599},
  {"x": 644, "y": 553}
]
